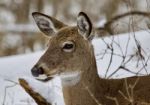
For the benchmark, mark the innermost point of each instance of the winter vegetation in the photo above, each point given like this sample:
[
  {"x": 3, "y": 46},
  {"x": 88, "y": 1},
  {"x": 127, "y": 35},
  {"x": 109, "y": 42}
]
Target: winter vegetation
[
  {"x": 20, "y": 66},
  {"x": 121, "y": 46}
]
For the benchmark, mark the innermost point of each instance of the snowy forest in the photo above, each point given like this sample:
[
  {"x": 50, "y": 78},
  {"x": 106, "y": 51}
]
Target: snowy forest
[{"x": 121, "y": 42}]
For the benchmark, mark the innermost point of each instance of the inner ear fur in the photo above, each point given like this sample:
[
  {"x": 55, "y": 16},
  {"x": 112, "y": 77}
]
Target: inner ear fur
[
  {"x": 47, "y": 24},
  {"x": 84, "y": 25}
]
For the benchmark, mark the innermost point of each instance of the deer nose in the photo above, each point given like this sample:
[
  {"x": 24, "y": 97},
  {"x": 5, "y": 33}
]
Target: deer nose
[{"x": 36, "y": 71}]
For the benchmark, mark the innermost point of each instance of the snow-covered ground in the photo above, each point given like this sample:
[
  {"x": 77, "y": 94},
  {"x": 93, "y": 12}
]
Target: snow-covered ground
[
  {"x": 131, "y": 51},
  {"x": 11, "y": 68},
  {"x": 125, "y": 53}
]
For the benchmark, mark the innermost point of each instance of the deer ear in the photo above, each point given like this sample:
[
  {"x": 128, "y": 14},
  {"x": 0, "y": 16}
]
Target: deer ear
[
  {"x": 84, "y": 25},
  {"x": 48, "y": 25}
]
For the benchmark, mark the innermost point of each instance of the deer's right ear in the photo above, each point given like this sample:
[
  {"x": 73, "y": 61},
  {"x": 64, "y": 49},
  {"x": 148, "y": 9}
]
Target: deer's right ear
[
  {"x": 48, "y": 25},
  {"x": 84, "y": 25}
]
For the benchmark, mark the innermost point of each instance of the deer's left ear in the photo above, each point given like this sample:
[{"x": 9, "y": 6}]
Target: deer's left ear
[
  {"x": 84, "y": 25},
  {"x": 47, "y": 24}
]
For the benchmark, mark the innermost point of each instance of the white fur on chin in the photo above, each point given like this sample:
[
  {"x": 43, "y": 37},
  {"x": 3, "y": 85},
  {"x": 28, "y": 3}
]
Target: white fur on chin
[
  {"x": 67, "y": 79},
  {"x": 70, "y": 78}
]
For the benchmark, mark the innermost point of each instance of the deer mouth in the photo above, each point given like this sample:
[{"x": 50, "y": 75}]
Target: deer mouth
[
  {"x": 50, "y": 76},
  {"x": 43, "y": 78},
  {"x": 68, "y": 78}
]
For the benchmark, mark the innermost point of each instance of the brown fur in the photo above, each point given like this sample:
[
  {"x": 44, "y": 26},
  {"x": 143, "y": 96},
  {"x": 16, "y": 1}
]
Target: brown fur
[{"x": 104, "y": 91}]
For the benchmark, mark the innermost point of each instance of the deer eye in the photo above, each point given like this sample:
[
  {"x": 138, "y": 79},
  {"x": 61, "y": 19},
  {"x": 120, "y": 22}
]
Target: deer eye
[{"x": 68, "y": 46}]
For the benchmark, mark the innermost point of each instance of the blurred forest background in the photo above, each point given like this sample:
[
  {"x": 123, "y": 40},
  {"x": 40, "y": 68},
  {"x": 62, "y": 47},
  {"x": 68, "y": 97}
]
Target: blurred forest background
[{"x": 19, "y": 34}]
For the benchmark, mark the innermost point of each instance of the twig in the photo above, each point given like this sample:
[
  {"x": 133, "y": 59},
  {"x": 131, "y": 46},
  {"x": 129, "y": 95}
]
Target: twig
[
  {"x": 114, "y": 99},
  {"x": 11, "y": 81},
  {"x": 91, "y": 94},
  {"x": 5, "y": 94},
  {"x": 111, "y": 57},
  {"x": 130, "y": 91}
]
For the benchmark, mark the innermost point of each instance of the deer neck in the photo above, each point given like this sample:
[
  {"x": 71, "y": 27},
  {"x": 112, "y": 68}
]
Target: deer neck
[
  {"x": 89, "y": 78},
  {"x": 90, "y": 87},
  {"x": 90, "y": 75}
]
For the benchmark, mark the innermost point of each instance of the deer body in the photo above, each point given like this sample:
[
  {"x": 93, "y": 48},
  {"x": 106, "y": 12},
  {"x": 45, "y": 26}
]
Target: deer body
[{"x": 70, "y": 52}]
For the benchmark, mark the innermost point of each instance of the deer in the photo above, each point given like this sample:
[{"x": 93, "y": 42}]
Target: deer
[{"x": 70, "y": 55}]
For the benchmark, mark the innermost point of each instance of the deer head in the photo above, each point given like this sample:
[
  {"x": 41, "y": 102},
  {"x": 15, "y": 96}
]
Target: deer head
[{"x": 69, "y": 49}]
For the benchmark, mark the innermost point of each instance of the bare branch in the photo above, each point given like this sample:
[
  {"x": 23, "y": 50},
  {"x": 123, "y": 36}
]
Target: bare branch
[{"x": 39, "y": 99}]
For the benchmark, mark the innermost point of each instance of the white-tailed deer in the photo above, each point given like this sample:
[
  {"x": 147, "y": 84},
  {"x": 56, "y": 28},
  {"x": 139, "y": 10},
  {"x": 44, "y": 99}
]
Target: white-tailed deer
[{"x": 70, "y": 54}]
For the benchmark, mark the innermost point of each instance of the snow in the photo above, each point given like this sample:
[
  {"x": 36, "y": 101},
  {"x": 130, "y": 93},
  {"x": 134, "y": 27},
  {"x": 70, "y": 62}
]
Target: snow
[
  {"x": 143, "y": 38},
  {"x": 51, "y": 91},
  {"x": 11, "y": 68},
  {"x": 18, "y": 66},
  {"x": 124, "y": 40}
]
